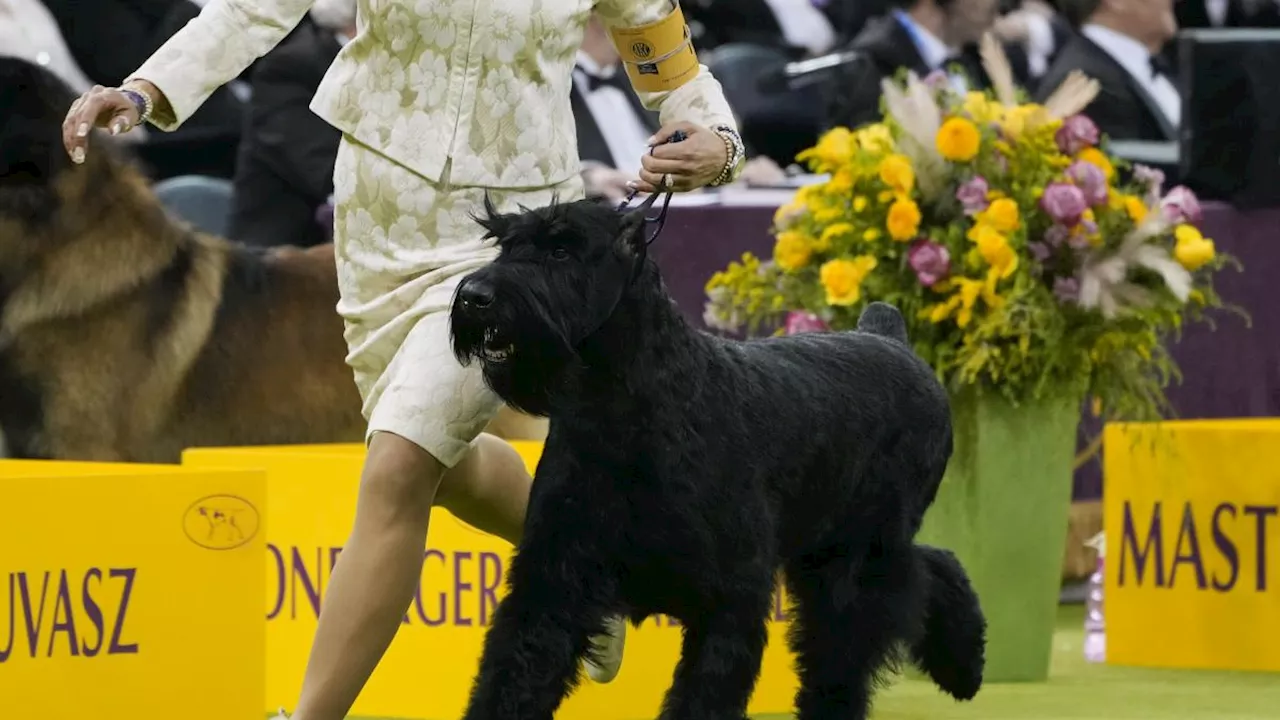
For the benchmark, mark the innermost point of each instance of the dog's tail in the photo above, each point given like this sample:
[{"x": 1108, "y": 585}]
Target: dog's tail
[
  {"x": 952, "y": 647},
  {"x": 883, "y": 319}
]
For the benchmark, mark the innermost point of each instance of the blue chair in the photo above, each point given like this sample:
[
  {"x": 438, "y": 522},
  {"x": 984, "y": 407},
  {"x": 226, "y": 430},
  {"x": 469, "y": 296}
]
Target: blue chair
[{"x": 203, "y": 202}]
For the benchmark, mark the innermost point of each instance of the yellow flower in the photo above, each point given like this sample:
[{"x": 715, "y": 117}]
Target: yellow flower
[
  {"x": 875, "y": 138},
  {"x": 995, "y": 250},
  {"x": 1024, "y": 119},
  {"x": 903, "y": 221},
  {"x": 871, "y": 235},
  {"x": 1098, "y": 159},
  {"x": 842, "y": 279},
  {"x": 982, "y": 109},
  {"x": 1136, "y": 208},
  {"x": 1001, "y": 215},
  {"x": 1192, "y": 249},
  {"x": 841, "y": 183},
  {"x": 958, "y": 140},
  {"x": 896, "y": 172},
  {"x": 831, "y": 233},
  {"x": 825, "y": 215},
  {"x": 885, "y": 196},
  {"x": 792, "y": 251},
  {"x": 834, "y": 149},
  {"x": 859, "y": 203},
  {"x": 960, "y": 304}
]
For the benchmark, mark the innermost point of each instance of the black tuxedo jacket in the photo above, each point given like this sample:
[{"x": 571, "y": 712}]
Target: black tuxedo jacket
[
  {"x": 591, "y": 143},
  {"x": 853, "y": 93},
  {"x": 1124, "y": 110},
  {"x": 1194, "y": 14},
  {"x": 284, "y": 170}
]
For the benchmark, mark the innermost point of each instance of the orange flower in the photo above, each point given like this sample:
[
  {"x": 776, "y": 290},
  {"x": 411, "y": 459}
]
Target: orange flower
[{"x": 903, "y": 221}]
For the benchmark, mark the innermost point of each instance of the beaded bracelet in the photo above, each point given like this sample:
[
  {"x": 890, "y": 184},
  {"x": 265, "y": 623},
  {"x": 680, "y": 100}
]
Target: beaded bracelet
[
  {"x": 142, "y": 101},
  {"x": 734, "y": 153}
]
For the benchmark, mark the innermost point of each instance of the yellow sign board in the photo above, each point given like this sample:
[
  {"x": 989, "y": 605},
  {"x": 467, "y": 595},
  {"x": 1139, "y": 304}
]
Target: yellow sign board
[
  {"x": 428, "y": 671},
  {"x": 1192, "y": 514},
  {"x": 131, "y": 591}
]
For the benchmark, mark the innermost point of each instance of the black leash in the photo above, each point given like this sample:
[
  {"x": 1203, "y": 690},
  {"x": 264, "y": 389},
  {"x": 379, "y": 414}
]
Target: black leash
[{"x": 661, "y": 219}]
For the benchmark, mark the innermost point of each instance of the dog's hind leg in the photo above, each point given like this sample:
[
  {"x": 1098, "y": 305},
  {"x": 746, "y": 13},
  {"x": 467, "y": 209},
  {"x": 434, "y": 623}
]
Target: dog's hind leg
[
  {"x": 720, "y": 658},
  {"x": 849, "y": 613},
  {"x": 952, "y": 646}
]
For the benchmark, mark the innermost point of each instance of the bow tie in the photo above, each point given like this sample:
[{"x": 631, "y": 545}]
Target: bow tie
[
  {"x": 595, "y": 82},
  {"x": 1160, "y": 66}
]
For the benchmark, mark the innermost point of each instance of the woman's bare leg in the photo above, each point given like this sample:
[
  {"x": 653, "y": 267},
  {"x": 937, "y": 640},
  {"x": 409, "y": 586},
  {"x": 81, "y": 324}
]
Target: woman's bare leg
[
  {"x": 381, "y": 564},
  {"x": 375, "y": 577}
]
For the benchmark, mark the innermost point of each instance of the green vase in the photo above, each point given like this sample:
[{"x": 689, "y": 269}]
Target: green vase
[{"x": 1003, "y": 509}]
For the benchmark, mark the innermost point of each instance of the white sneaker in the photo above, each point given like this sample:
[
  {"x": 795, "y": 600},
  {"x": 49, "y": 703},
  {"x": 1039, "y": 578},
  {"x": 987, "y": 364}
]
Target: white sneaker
[{"x": 607, "y": 660}]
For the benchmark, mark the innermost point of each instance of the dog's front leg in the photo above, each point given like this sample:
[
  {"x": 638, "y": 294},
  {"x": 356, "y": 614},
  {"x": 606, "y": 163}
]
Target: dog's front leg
[
  {"x": 720, "y": 661},
  {"x": 540, "y": 632}
]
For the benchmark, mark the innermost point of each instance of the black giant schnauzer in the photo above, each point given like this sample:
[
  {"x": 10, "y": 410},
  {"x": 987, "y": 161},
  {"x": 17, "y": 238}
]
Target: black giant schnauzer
[{"x": 683, "y": 471}]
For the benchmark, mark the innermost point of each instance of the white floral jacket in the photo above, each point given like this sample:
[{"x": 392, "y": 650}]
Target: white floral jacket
[{"x": 483, "y": 83}]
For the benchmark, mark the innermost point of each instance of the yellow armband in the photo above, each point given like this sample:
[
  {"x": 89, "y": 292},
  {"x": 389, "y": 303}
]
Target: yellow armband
[{"x": 658, "y": 56}]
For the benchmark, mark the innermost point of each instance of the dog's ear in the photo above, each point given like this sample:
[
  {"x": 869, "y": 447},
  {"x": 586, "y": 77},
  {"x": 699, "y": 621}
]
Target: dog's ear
[
  {"x": 495, "y": 224},
  {"x": 631, "y": 231},
  {"x": 32, "y": 103}
]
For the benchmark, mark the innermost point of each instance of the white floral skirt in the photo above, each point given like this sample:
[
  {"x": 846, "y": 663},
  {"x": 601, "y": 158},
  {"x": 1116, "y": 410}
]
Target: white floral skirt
[{"x": 403, "y": 243}]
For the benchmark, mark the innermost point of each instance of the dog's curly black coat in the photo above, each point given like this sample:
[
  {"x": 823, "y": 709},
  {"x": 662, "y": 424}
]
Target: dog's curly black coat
[{"x": 683, "y": 471}]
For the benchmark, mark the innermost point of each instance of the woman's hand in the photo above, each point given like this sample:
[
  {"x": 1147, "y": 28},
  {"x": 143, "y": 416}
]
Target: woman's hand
[
  {"x": 686, "y": 165},
  {"x": 100, "y": 108}
]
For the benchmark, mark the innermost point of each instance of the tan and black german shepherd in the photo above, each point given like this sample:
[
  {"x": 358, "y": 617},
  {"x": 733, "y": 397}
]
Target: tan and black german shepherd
[{"x": 126, "y": 336}]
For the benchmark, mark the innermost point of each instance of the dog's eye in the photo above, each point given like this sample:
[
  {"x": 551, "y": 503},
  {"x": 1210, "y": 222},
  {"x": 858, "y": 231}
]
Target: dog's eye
[{"x": 560, "y": 253}]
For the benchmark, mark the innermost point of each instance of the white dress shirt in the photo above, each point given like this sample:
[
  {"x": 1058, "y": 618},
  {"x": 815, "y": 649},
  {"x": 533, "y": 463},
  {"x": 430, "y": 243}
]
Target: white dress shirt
[
  {"x": 1134, "y": 57},
  {"x": 933, "y": 51},
  {"x": 29, "y": 32},
  {"x": 624, "y": 132},
  {"x": 803, "y": 25},
  {"x": 1217, "y": 11}
]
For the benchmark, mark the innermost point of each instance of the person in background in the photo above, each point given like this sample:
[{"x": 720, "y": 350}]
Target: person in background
[
  {"x": 284, "y": 170},
  {"x": 1119, "y": 45},
  {"x": 920, "y": 35},
  {"x": 1037, "y": 28},
  {"x": 29, "y": 31},
  {"x": 1228, "y": 13},
  {"x": 613, "y": 127},
  {"x": 797, "y": 26}
]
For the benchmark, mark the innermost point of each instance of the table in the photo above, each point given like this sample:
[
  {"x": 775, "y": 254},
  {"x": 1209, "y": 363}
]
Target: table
[{"x": 1233, "y": 371}]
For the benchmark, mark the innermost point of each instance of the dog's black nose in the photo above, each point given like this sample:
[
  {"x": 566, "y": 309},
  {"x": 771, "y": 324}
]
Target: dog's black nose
[{"x": 476, "y": 293}]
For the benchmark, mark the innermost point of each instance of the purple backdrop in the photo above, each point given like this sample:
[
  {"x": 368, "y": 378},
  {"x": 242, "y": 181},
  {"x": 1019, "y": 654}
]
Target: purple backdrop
[{"x": 1233, "y": 371}]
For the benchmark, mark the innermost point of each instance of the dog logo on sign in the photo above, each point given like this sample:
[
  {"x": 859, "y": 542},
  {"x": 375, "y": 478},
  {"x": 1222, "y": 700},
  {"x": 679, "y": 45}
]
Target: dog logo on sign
[
  {"x": 221, "y": 522},
  {"x": 642, "y": 50}
]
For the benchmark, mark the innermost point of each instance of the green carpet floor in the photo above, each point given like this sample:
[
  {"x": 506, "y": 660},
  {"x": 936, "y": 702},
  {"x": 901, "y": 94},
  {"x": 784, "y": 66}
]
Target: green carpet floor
[{"x": 1081, "y": 691}]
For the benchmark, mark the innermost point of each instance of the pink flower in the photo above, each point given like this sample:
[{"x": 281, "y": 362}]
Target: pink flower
[
  {"x": 802, "y": 322},
  {"x": 1077, "y": 133},
  {"x": 973, "y": 195},
  {"x": 1091, "y": 180},
  {"x": 1182, "y": 206},
  {"x": 1153, "y": 178},
  {"x": 1064, "y": 203},
  {"x": 930, "y": 261},
  {"x": 936, "y": 80}
]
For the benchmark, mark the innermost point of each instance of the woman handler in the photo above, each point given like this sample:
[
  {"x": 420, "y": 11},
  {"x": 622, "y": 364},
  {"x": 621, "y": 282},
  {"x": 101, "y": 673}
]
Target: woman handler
[{"x": 439, "y": 102}]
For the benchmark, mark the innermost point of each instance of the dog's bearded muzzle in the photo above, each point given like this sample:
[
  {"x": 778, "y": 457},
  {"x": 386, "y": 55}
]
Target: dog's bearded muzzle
[
  {"x": 497, "y": 323},
  {"x": 476, "y": 323}
]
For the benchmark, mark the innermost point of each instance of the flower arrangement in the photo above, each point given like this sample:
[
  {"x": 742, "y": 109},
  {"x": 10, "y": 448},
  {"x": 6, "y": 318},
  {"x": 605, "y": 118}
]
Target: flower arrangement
[{"x": 1025, "y": 258}]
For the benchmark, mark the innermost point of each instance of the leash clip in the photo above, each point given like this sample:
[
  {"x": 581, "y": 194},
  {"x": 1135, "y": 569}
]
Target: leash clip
[{"x": 661, "y": 218}]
